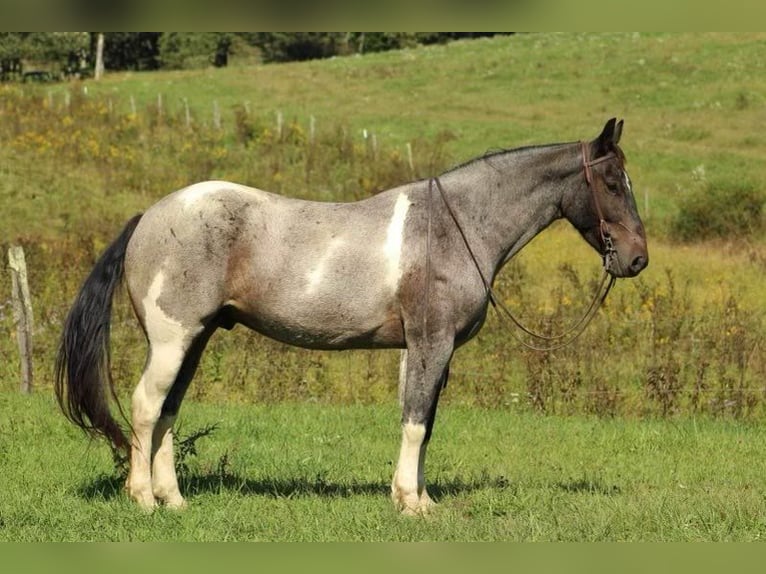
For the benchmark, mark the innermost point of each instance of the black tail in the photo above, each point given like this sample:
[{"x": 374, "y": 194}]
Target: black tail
[{"x": 82, "y": 367}]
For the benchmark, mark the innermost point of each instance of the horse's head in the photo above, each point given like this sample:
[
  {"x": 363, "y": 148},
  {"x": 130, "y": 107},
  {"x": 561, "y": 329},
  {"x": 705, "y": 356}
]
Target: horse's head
[{"x": 603, "y": 208}]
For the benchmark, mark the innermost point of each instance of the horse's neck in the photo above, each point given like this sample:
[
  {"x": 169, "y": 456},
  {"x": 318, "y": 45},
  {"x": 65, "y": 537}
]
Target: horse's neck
[{"x": 503, "y": 203}]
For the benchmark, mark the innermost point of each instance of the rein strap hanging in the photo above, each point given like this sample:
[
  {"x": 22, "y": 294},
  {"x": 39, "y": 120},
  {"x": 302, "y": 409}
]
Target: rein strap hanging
[{"x": 573, "y": 332}]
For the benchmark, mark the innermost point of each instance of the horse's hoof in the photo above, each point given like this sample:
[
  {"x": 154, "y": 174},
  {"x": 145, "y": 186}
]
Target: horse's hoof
[
  {"x": 170, "y": 498},
  {"x": 147, "y": 505},
  {"x": 426, "y": 502},
  {"x": 145, "y": 500},
  {"x": 176, "y": 502},
  {"x": 420, "y": 510},
  {"x": 418, "y": 507}
]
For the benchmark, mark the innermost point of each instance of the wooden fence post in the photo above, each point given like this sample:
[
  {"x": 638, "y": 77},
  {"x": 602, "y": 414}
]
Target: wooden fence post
[
  {"x": 22, "y": 313},
  {"x": 98, "y": 70},
  {"x": 312, "y": 129},
  {"x": 216, "y": 115},
  {"x": 187, "y": 112}
]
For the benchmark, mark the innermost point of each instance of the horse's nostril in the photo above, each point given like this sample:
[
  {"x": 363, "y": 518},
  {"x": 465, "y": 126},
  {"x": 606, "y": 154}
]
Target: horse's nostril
[{"x": 638, "y": 263}]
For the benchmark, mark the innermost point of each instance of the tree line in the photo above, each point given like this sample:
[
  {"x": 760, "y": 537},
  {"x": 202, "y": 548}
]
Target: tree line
[{"x": 23, "y": 54}]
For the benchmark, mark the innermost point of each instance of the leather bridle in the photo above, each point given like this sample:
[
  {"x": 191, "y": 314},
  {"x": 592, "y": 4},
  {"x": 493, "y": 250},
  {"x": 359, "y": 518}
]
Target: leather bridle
[{"x": 606, "y": 237}]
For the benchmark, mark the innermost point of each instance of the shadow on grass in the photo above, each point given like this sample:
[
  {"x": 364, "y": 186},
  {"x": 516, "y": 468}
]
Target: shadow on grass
[{"x": 106, "y": 487}]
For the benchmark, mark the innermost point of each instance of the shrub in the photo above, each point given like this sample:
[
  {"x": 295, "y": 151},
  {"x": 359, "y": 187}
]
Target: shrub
[{"x": 719, "y": 209}]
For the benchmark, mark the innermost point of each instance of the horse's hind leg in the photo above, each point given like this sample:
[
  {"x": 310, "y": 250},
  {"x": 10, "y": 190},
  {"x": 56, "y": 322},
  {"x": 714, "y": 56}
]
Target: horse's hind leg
[
  {"x": 164, "y": 480},
  {"x": 165, "y": 359},
  {"x": 172, "y": 356}
]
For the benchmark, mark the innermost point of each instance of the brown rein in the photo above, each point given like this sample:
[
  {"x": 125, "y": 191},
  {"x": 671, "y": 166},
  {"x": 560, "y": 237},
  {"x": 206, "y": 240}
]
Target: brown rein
[{"x": 573, "y": 332}]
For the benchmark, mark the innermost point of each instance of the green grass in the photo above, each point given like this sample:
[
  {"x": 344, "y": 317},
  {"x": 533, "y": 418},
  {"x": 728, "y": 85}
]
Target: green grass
[{"x": 304, "y": 472}]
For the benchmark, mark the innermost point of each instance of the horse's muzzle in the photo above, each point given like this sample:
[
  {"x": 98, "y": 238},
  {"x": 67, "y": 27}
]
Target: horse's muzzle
[
  {"x": 638, "y": 264},
  {"x": 628, "y": 257}
]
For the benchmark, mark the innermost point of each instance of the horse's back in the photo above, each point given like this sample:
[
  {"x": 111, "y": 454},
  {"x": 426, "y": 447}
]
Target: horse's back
[{"x": 311, "y": 273}]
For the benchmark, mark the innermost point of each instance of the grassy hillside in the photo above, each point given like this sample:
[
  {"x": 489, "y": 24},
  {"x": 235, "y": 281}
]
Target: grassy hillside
[
  {"x": 77, "y": 160},
  {"x": 693, "y": 104},
  {"x": 688, "y": 99}
]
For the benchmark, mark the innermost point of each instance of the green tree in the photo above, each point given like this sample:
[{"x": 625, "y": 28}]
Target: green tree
[
  {"x": 289, "y": 46},
  {"x": 130, "y": 50},
  {"x": 381, "y": 41},
  {"x": 11, "y": 53},
  {"x": 11, "y": 44},
  {"x": 194, "y": 49},
  {"x": 66, "y": 51},
  {"x": 69, "y": 51},
  {"x": 292, "y": 46}
]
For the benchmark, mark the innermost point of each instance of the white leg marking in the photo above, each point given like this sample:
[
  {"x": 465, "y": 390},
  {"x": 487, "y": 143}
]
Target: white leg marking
[
  {"x": 408, "y": 483},
  {"x": 316, "y": 275},
  {"x": 164, "y": 480},
  {"x": 394, "y": 239},
  {"x": 412, "y": 439}
]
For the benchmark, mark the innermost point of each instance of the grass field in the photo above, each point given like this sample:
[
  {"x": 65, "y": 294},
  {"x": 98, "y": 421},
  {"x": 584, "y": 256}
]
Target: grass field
[
  {"x": 651, "y": 427},
  {"x": 304, "y": 472}
]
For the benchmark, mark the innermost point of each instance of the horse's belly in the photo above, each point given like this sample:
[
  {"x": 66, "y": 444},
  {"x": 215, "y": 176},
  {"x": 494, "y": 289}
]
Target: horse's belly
[{"x": 326, "y": 324}]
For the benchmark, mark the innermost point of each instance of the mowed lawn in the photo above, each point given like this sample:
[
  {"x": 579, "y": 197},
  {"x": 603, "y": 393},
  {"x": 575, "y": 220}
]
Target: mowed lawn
[{"x": 314, "y": 472}]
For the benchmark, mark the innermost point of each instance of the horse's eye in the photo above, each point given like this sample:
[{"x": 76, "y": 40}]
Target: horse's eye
[{"x": 613, "y": 187}]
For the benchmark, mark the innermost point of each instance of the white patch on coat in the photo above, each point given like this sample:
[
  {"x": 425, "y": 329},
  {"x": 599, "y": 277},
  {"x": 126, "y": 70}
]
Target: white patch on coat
[
  {"x": 192, "y": 194},
  {"x": 198, "y": 192},
  {"x": 160, "y": 328},
  {"x": 167, "y": 337},
  {"x": 394, "y": 239},
  {"x": 317, "y": 273}
]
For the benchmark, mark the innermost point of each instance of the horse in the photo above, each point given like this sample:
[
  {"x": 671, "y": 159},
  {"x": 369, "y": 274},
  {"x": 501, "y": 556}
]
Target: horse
[{"x": 409, "y": 268}]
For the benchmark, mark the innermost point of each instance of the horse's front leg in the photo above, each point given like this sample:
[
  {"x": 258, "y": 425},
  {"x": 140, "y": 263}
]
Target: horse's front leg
[{"x": 423, "y": 373}]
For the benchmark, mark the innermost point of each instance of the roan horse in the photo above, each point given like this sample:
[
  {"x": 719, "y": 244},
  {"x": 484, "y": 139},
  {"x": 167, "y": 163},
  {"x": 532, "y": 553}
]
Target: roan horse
[{"x": 408, "y": 268}]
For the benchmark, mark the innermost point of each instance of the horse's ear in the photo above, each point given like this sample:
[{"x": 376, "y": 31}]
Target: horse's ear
[
  {"x": 617, "y": 132},
  {"x": 609, "y": 137}
]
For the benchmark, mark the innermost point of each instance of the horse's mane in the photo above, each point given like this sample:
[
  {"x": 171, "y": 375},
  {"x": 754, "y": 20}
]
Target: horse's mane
[{"x": 495, "y": 152}]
